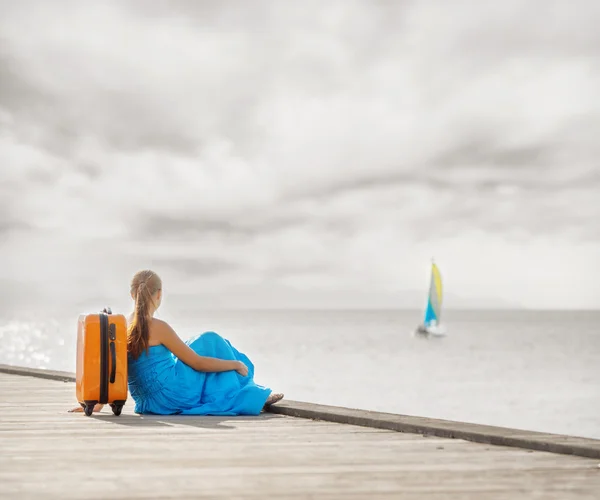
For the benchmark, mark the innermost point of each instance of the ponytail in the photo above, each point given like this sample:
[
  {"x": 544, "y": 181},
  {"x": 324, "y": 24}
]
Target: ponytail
[{"x": 144, "y": 285}]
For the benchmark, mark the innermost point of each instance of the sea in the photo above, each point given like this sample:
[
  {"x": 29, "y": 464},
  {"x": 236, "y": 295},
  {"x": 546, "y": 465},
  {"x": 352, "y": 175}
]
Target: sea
[{"x": 532, "y": 370}]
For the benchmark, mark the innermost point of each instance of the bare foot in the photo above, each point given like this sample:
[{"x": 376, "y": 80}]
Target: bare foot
[{"x": 273, "y": 398}]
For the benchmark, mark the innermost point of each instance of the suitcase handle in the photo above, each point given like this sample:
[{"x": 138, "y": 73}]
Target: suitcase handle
[
  {"x": 113, "y": 357},
  {"x": 107, "y": 310}
]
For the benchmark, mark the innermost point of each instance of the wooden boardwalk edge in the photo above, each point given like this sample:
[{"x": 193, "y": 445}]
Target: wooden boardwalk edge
[
  {"x": 502, "y": 436},
  {"x": 37, "y": 372}
]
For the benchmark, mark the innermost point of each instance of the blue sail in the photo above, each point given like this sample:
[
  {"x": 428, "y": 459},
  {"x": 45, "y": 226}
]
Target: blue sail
[{"x": 429, "y": 314}]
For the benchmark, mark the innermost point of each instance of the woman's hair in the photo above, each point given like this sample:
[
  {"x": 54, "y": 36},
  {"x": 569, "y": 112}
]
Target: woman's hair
[{"x": 143, "y": 286}]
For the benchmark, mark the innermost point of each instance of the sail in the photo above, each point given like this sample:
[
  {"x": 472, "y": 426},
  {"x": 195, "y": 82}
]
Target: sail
[{"x": 434, "y": 301}]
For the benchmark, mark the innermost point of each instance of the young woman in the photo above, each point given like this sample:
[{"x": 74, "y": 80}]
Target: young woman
[{"x": 204, "y": 376}]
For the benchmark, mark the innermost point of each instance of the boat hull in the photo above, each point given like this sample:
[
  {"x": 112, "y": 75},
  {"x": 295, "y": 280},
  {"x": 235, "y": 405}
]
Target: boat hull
[{"x": 431, "y": 331}]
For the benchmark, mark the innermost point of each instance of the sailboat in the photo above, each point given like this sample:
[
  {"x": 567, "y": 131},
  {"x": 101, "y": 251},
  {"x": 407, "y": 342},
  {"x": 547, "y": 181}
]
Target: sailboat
[{"x": 432, "y": 321}]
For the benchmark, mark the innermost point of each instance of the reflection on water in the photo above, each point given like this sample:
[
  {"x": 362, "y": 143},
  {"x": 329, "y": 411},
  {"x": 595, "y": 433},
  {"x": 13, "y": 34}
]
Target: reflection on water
[{"x": 33, "y": 343}]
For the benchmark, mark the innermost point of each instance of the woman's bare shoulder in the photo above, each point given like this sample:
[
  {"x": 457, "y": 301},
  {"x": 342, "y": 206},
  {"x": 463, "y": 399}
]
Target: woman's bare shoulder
[
  {"x": 160, "y": 324},
  {"x": 159, "y": 331}
]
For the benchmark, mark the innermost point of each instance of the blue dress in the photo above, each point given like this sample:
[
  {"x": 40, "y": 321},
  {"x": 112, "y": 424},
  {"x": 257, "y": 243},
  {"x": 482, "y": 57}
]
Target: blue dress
[{"x": 161, "y": 384}]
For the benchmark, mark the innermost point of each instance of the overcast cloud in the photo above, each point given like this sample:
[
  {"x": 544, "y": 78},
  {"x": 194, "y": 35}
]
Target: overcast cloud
[{"x": 314, "y": 149}]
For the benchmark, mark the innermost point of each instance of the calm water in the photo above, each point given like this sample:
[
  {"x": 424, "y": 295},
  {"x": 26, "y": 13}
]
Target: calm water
[{"x": 530, "y": 370}]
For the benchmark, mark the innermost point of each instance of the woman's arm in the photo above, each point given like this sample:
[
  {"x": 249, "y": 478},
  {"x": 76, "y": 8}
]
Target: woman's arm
[{"x": 168, "y": 337}]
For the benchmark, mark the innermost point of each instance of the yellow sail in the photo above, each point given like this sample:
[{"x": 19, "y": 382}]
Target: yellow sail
[{"x": 437, "y": 280}]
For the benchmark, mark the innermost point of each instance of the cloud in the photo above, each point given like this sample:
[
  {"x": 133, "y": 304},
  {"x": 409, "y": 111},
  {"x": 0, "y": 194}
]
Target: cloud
[
  {"x": 16, "y": 92},
  {"x": 188, "y": 226},
  {"x": 9, "y": 225},
  {"x": 196, "y": 266},
  {"x": 336, "y": 145}
]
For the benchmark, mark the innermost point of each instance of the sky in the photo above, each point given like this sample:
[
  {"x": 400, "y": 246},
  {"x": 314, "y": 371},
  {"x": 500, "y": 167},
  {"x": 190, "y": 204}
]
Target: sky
[{"x": 314, "y": 154}]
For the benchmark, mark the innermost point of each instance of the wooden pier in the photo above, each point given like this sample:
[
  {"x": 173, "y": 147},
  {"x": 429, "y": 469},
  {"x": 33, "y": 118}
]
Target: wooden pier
[{"x": 46, "y": 452}]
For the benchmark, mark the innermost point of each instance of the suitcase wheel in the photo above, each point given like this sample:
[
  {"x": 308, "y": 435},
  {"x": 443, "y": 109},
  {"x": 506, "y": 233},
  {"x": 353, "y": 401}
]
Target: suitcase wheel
[
  {"x": 116, "y": 409},
  {"x": 88, "y": 409}
]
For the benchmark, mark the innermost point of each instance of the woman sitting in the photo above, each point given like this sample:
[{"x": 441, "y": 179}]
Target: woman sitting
[{"x": 205, "y": 375}]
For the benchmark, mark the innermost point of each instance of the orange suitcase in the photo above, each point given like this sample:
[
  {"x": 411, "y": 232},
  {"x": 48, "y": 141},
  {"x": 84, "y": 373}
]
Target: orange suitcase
[{"x": 101, "y": 374}]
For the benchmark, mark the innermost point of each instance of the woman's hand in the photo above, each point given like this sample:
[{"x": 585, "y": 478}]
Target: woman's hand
[
  {"x": 242, "y": 369},
  {"x": 79, "y": 409}
]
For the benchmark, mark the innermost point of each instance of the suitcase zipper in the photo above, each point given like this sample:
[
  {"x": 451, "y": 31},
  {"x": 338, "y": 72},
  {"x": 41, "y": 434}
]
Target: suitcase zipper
[{"x": 103, "y": 358}]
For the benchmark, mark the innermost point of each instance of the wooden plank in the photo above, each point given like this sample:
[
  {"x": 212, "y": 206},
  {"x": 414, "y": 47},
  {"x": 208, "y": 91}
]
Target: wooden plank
[{"x": 49, "y": 453}]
